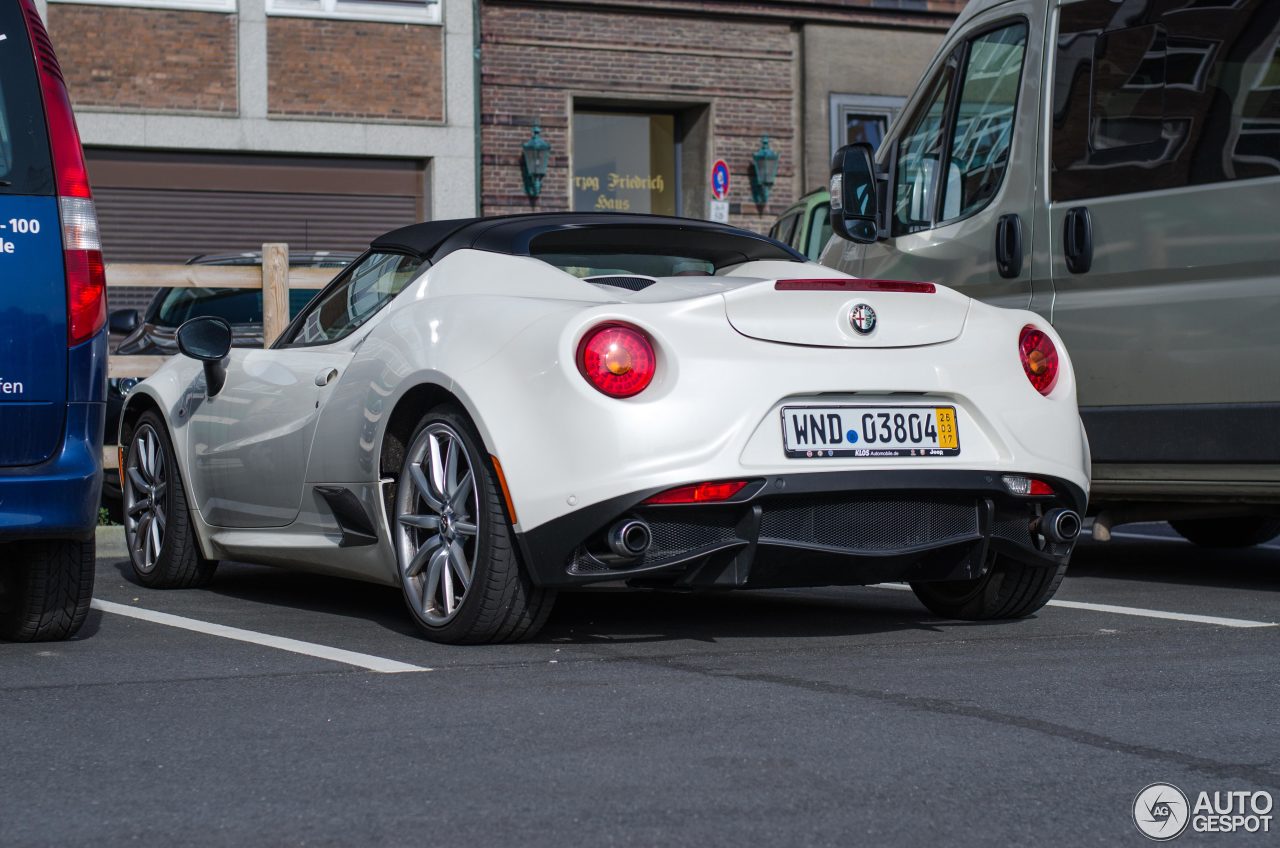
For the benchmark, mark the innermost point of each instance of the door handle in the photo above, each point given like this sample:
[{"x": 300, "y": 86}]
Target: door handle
[
  {"x": 1077, "y": 240},
  {"x": 325, "y": 376},
  {"x": 1009, "y": 246}
]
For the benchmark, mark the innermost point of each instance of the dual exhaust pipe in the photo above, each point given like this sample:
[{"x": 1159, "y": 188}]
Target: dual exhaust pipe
[{"x": 1060, "y": 526}]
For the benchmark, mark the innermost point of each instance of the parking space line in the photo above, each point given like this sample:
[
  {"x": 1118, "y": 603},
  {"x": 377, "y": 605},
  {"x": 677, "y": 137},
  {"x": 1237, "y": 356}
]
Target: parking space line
[
  {"x": 324, "y": 652},
  {"x": 1134, "y": 611}
]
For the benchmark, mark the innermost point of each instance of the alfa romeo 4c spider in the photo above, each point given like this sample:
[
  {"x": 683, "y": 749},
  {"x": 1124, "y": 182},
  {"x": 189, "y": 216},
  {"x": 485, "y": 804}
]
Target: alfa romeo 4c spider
[{"x": 485, "y": 412}]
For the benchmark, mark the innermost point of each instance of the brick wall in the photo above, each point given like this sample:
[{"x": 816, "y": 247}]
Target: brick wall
[
  {"x": 146, "y": 59},
  {"x": 355, "y": 70},
  {"x": 537, "y": 59}
]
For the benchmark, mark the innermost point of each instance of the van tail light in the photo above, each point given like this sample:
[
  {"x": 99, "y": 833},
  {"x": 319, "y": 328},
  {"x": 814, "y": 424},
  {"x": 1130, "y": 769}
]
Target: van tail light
[
  {"x": 617, "y": 359},
  {"x": 715, "y": 492},
  {"x": 81, "y": 245},
  {"x": 1039, "y": 359}
]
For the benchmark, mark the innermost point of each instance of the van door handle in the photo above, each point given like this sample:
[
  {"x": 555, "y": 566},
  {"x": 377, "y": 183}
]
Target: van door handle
[
  {"x": 1077, "y": 240},
  {"x": 325, "y": 376},
  {"x": 1009, "y": 246}
]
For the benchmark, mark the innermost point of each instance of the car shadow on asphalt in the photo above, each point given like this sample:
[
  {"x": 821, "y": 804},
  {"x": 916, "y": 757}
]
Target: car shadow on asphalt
[
  {"x": 1178, "y": 562},
  {"x": 600, "y": 615}
]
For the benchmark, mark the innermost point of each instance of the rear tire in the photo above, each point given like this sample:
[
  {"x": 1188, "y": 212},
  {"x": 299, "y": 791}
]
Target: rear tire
[
  {"x": 1009, "y": 589},
  {"x": 1241, "y": 532},
  {"x": 45, "y": 596},
  {"x": 157, "y": 522},
  {"x": 452, "y": 533}
]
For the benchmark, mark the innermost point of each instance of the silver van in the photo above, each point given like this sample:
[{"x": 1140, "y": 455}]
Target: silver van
[{"x": 1115, "y": 166}]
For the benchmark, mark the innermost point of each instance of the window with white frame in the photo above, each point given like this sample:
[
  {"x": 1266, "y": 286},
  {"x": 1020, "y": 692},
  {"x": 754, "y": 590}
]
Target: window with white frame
[
  {"x": 192, "y": 5},
  {"x": 862, "y": 117},
  {"x": 403, "y": 11}
]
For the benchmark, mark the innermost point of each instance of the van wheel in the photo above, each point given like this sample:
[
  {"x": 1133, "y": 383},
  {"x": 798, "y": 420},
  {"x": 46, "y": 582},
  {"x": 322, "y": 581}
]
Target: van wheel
[
  {"x": 45, "y": 594},
  {"x": 1009, "y": 589},
  {"x": 459, "y": 568},
  {"x": 1242, "y": 532},
  {"x": 157, "y": 524}
]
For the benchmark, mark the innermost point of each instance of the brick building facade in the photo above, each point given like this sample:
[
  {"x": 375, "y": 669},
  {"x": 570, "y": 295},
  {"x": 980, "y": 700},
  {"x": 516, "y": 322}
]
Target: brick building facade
[
  {"x": 217, "y": 125},
  {"x": 722, "y": 73}
]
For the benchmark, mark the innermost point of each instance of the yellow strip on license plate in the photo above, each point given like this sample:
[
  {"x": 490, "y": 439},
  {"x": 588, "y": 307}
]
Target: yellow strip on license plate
[{"x": 948, "y": 439}]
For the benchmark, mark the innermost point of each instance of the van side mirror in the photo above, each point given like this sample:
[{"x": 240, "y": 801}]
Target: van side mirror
[
  {"x": 207, "y": 339},
  {"x": 854, "y": 209}
]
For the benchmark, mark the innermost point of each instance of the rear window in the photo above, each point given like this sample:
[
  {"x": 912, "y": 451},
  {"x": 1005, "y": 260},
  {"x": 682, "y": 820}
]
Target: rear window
[
  {"x": 613, "y": 264},
  {"x": 25, "y": 166}
]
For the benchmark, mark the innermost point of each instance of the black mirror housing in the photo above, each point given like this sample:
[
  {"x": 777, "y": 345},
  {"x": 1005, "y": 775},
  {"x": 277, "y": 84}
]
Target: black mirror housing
[
  {"x": 854, "y": 204},
  {"x": 123, "y": 321},
  {"x": 207, "y": 339}
]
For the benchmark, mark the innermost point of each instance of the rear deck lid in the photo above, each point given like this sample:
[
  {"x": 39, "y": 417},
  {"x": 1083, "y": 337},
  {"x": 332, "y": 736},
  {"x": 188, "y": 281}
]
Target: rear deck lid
[
  {"x": 847, "y": 312},
  {"x": 33, "y": 299}
]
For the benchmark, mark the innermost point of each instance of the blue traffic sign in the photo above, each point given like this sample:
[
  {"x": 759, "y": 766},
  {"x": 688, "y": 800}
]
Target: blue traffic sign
[{"x": 720, "y": 180}]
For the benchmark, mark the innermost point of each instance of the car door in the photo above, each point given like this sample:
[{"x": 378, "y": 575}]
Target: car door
[
  {"x": 1164, "y": 178},
  {"x": 250, "y": 444},
  {"x": 962, "y": 165}
]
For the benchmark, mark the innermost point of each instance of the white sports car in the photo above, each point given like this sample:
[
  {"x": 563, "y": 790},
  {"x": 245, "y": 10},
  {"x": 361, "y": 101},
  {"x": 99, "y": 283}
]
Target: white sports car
[{"x": 486, "y": 411}]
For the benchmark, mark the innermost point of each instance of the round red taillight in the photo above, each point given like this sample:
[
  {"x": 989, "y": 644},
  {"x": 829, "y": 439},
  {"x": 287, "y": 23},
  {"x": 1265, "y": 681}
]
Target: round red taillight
[
  {"x": 1039, "y": 358},
  {"x": 617, "y": 359}
]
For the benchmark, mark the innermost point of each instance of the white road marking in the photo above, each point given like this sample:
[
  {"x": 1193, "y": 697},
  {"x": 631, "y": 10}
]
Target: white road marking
[
  {"x": 324, "y": 652},
  {"x": 1134, "y": 611}
]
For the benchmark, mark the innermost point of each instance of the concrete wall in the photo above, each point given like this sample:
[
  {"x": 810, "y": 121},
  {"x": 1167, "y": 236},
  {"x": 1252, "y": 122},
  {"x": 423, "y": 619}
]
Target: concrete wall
[{"x": 854, "y": 60}]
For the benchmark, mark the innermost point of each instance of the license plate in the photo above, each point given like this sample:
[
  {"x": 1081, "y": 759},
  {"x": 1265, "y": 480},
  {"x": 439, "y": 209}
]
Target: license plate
[{"x": 871, "y": 431}]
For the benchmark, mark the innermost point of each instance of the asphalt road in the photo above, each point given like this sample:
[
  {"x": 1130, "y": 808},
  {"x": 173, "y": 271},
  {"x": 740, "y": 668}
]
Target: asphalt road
[{"x": 832, "y": 717}]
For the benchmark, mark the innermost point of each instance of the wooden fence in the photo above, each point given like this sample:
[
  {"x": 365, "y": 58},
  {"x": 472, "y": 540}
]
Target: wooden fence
[{"x": 275, "y": 278}]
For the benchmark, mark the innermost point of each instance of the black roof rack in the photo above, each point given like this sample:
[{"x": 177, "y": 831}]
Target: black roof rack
[{"x": 584, "y": 232}]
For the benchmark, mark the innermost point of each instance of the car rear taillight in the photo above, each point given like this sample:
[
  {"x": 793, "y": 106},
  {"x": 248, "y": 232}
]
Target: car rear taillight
[
  {"x": 81, "y": 245},
  {"x": 1039, "y": 359},
  {"x": 1027, "y": 487},
  {"x": 721, "y": 490},
  {"x": 617, "y": 359},
  {"x": 837, "y": 284}
]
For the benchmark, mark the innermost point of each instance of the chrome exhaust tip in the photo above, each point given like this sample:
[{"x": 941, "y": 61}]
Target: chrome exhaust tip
[
  {"x": 1060, "y": 525},
  {"x": 630, "y": 538}
]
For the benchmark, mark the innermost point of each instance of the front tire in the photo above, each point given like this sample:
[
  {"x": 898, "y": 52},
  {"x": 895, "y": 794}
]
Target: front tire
[
  {"x": 1009, "y": 589},
  {"x": 1241, "y": 532},
  {"x": 157, "y": 522},
  {"x": 45, "y": 595},
  {"x": 455, "y": 550}
]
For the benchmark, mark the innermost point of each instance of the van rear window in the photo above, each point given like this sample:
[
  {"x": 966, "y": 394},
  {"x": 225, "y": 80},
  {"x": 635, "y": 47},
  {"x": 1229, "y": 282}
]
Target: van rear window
[{"x": 25, "y": 166}]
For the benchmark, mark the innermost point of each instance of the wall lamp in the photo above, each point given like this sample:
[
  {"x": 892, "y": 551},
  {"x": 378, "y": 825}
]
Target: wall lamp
[
  {"x": 764, "y": 172},
  {"x": 535, "y": 153}
]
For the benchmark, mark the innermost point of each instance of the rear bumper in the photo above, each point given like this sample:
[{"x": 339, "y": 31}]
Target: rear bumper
[
  {"x": 817, "y": 529},
  {"x": 59, "y": 497}
]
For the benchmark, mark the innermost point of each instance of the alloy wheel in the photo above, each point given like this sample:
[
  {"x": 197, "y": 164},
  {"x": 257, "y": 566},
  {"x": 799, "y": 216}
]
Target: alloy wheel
[
  {"x": 437, "y": 523},
  {"x": 145, "y": 490}
]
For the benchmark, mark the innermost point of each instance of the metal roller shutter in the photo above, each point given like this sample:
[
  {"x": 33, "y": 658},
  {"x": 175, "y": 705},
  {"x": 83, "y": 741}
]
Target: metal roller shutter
[{"x": 163, "y": 207}]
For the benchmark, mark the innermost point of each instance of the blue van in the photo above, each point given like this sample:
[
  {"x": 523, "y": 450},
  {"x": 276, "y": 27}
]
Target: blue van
[{"x": 53, "y": 343}]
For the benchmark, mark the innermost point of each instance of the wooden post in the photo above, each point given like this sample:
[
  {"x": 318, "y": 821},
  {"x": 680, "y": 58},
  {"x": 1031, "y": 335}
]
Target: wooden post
[{"x": 275, "y": 291}]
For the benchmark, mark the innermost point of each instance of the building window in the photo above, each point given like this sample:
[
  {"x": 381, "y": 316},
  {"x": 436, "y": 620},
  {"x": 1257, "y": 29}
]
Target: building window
[
  {"x": 191, "y": 5},
  {"x": 861, "y": 117},
  {"x": 625, "y": 162},
  {"x": 399, "y": 11}
]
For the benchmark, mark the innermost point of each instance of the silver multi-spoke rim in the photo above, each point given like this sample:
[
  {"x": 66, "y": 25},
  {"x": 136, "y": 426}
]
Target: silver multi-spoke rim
[
  {"x": 145, "y": 490},
  {"x": 437, "y": 523}
]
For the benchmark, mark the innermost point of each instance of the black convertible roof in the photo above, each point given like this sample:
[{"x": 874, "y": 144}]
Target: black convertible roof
[{"x": 584, "y": 232}]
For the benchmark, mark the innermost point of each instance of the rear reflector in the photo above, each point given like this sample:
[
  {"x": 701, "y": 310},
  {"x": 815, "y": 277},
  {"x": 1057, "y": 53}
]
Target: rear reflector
[
  {"x": 722, "y": 490},
  {"x": 855, "y": 286},
  {"x": 1027, "y": 487}
]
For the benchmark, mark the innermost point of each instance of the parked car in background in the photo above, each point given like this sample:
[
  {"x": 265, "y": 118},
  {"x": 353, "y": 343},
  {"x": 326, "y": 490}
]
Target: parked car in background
[
  {"x": 53, "y": 343},
  {"x": 1114, "y": 167},
  {"x": 806, "y": 224},
  {"x": 153, "y": 331}
]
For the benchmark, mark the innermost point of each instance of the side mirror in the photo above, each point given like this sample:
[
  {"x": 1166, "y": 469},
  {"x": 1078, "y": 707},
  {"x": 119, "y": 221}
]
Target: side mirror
[
  {"x": 853, "y": 194},
  {"x": 124, "y": 321},
  {"x": 207, "y": 339}
]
